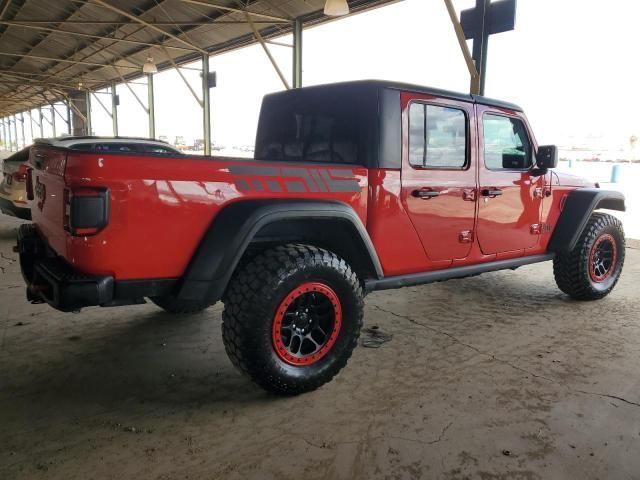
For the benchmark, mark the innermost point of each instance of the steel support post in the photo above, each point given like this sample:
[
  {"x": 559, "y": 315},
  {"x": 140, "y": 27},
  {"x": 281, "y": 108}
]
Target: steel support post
[
  {"x": 206, "y": 105},
  {"x": 24, "y": 140},
  {"x": 114, "y": 109},
  {"x": 41, "y": 118},
  {"x": 473, "y": 71},
  {"x": 68, "y": 118},
  {"x": 53, "y": 121},
  {"x": 480, "y": 47},
  {"x": 33, "y": 137},
  {"x": 88, "y": 104},
  {"x": 151, "y": 106},
  {"x": 297, "y": 53},
  {"x": 10, "y": 136},
  {"x": 15, "y": 132}
]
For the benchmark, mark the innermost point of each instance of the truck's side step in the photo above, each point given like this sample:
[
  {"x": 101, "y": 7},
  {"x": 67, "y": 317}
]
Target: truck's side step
[{"x": 421, "y": 278}]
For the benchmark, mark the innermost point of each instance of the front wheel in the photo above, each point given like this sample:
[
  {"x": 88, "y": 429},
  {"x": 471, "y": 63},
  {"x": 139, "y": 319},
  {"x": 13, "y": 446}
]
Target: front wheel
[
  {"x": 593, "y": 267},
  {"x": 292, "y": 318}
]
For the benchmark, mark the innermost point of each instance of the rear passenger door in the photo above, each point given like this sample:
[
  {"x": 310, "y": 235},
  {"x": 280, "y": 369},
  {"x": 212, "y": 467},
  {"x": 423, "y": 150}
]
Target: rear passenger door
[{"x": 439, "y": 174}]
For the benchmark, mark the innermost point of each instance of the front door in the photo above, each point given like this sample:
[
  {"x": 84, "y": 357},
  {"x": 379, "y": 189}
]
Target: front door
[
  {"x": 439, "y": 174},
  {"x": 510, "y": 196}
]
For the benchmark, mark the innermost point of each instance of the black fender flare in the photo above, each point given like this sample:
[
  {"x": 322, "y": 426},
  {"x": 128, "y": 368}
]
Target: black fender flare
[
  {"x": 577, "y": 210},
  {"x": 235, "y": 226}
]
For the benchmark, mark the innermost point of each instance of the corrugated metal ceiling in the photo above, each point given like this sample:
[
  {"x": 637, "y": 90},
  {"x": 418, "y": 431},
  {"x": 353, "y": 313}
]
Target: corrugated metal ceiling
[{"x": 48, "y": 47}]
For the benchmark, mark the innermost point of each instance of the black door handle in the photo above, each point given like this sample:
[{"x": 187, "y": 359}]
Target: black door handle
[
  {"x": 487, "y": 192},
  {"x": 426, "y": 194}
]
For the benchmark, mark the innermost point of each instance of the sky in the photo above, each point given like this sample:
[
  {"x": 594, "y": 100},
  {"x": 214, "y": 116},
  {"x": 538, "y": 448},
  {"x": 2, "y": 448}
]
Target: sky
[{"x": 573, "y": 65}]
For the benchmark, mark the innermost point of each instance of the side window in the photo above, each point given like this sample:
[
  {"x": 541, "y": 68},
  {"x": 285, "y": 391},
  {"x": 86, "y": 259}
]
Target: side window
[
  {"x": 147, "y": 148},
  {"x": 84, "y": 147},
  {"x": 437, "y": 136},
  {"x": 506, "y": 143},
  {"x": 115, "y": 147}
]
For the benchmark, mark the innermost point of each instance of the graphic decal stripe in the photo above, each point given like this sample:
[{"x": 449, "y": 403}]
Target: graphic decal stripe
[
  {"x": 303, "y": 173},
  {"x": 339, "y": 185},
  {"x": 273, "y": 186},
  {"x": 316, "y": 176},
  {"x": 296, "y": 180},
  {"x": 257, "y": 171}
]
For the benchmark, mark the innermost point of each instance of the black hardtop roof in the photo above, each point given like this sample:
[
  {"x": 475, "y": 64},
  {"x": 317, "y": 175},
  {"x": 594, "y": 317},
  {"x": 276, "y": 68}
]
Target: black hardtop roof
[{"x": 407, "y": 87}]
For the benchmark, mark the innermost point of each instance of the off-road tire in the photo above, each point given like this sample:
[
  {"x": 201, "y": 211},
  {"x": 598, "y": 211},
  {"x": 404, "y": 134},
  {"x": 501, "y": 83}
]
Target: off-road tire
[
  {"x": 258, "y": 291},
  {"x": 572, "y": 269},
  {"x": 171, "y": 304}
]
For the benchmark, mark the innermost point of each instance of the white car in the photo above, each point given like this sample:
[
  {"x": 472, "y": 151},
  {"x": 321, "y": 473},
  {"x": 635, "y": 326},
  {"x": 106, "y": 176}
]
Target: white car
[
  {"x": 112, "y": 144},
  {"x": 13, "y": 191}
]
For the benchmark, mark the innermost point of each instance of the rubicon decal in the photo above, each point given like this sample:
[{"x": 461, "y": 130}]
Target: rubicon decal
[{"x": 293, "y": 180}]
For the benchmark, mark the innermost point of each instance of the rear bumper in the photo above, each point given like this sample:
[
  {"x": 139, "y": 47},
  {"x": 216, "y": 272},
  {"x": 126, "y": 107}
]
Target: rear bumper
[
  {"x": 52, "y": 280},
  {"x": 9, "y": 208}
]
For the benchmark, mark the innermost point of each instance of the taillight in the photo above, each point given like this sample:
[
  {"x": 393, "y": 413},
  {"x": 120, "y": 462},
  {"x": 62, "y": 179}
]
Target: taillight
[
  {"x": 21, "y": 174},
  {"x": 86, "y": 210}
]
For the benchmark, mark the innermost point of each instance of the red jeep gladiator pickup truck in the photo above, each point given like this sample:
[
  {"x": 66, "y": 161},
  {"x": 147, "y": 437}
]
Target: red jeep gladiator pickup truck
[{"x": 355, "y": 187}]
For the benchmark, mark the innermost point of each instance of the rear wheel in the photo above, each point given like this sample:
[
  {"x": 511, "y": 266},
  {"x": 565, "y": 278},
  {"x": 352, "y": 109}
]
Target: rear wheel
[
  {"x": 292, "y": 318},
  {"x": 593, "y": 267}
]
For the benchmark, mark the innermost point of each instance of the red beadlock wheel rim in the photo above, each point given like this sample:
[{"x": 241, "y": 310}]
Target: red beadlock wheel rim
[
  {"x": 603, "y": 258},
  {"x": 306, "y": 324}
]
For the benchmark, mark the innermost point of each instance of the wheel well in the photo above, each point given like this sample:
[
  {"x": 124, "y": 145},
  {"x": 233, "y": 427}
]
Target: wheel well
[
  {"x": 337, "y": 235},
  {"x": 578, "y": 208},
  {"x": 244, "y": 228},
  {"x": 611, "y": 204}
]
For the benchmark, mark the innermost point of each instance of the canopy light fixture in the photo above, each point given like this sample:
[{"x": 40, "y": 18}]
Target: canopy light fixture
[
  {"x": 336, "y": 8},
  {"x": 149, "y": 66}
]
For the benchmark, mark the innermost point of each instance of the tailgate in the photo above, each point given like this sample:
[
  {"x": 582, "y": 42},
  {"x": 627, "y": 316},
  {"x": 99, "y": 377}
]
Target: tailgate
[{"x": 48, "y": 186}]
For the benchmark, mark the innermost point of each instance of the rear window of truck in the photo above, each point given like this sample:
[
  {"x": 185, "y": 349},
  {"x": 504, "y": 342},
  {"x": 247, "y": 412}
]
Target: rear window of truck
[{"x": 318, "y": 128}]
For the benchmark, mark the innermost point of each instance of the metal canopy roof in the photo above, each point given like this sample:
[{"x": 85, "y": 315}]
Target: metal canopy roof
[{"x": 50, "y": 47}]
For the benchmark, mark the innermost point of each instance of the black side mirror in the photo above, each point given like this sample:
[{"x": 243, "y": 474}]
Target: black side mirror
[{"x": 547, "y": 157}]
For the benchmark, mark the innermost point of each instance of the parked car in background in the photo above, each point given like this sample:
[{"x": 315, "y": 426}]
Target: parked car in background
[
  {"x": 111, "y": 144},
  {"x": 13, "y": 192}
]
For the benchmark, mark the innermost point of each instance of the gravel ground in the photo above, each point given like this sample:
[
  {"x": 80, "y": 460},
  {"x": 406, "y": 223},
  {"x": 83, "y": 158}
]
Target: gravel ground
[{"x": 493, "y": 377}]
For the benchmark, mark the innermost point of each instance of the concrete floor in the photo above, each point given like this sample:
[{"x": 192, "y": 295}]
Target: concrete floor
[{"x": 493, "y": 377}]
